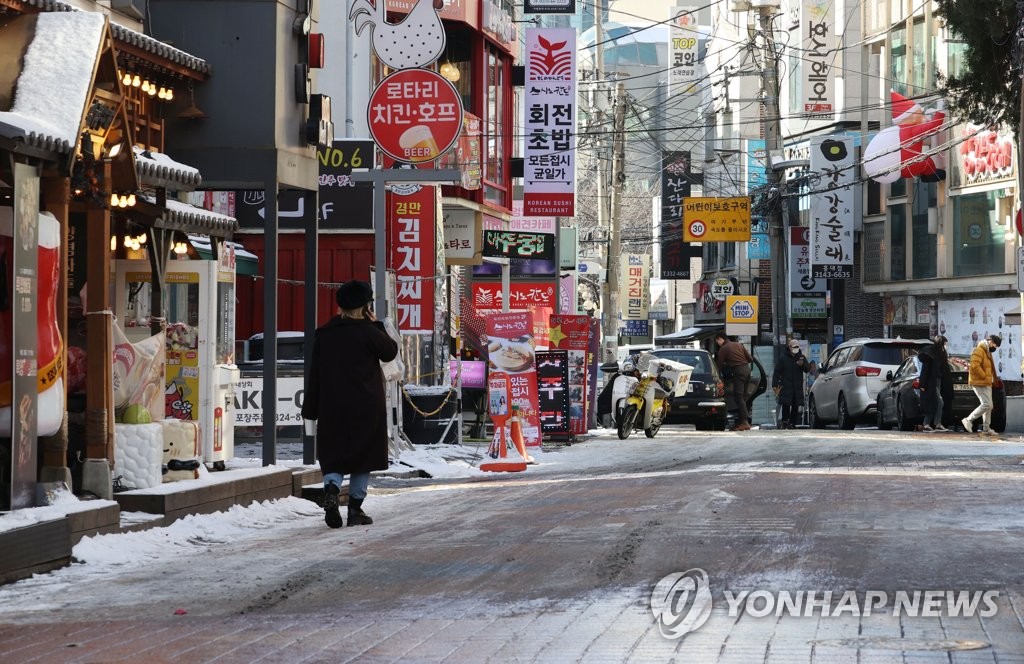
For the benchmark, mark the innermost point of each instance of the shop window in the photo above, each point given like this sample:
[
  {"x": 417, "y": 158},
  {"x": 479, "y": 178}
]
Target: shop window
[
  {"x": 456, "y": 65},
  {"x": 922, "y": 71},
  {"x": 956, "y": 56},
  {"x": 898, "y": 189},
  {"x": 874, "y": 251},
  {"x": 898, "y": 241},
  {"x": 496, "y": 128},
  {"x": 898, "y": 60},
  {"x": 925, "y": 245},
  {"x": 978, "y": 238}
]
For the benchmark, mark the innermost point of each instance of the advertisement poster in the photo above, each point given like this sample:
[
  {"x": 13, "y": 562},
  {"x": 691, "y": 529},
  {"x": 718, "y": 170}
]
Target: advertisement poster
[
  {"x": 967, "y": 322},
  {"x": 553, "y": 391},
  {"x": 24, "y": 392},
  {"x": 510, "y": 353},
  {"x": 412, "y": 213},
  {"x": 832, "y": 159},
  {"x": 572, "y": 334}
]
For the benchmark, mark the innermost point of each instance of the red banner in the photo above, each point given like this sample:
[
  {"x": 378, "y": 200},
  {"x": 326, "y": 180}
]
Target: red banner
[
  {"x": 488, "y": 295},
  {"x": 411, "y": 236},
  {"x": 510, "y": 352},
  {"x": 572, "y": 334}
]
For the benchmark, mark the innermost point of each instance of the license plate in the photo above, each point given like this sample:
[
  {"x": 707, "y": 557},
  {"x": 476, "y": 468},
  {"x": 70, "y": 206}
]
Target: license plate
[{"x": 962, "y": 388}]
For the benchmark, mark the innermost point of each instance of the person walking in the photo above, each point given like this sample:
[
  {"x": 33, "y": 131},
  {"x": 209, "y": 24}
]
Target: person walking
[
  {"x": 345, "y": 396},
  {"x": 733, "y": 360},
  {"x": 788, "y": 383},
  {"x": 981, "y": 377},
  {"x": 933, "y": 358}
]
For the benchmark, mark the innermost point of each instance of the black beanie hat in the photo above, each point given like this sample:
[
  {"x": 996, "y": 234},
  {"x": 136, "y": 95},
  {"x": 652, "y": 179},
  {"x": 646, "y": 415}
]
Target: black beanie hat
[{"x": 354, "y": 294}]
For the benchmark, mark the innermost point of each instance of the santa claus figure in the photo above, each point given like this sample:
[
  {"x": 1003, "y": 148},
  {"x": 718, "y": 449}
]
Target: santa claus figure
[{"x": 897, "y": 151}]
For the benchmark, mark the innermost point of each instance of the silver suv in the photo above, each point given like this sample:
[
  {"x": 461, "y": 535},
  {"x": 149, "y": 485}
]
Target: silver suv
[{"x": 846, "y": 388}]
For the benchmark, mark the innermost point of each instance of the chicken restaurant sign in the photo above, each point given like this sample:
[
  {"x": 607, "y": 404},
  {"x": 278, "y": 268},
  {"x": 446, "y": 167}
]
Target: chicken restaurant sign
[{"x": 415, "y": 114}]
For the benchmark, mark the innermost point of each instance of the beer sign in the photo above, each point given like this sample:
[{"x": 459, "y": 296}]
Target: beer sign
[{"x": 415, "y": 115}]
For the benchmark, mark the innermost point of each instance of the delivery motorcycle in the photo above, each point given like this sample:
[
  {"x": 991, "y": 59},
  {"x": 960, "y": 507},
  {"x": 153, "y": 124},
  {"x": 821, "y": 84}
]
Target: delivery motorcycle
[{"x": 641, "y": 400}]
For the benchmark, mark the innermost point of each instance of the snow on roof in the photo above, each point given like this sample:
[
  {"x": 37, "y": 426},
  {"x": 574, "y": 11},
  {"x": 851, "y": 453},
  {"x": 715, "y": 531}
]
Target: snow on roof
[
  {"x": 192, "y": 219},
  {"x": 158, "y": 166},
  {"x": 58, "y": 65}
]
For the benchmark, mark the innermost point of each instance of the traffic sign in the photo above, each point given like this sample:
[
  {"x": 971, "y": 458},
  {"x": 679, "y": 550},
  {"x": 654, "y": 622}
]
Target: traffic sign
[{"x": 415, "y": 115}]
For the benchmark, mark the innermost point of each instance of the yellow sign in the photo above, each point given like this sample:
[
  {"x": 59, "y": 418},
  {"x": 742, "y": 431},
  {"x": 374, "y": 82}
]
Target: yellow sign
[
  {"x": 716, "y": 219},
  {"x": 741, "y": 315}
]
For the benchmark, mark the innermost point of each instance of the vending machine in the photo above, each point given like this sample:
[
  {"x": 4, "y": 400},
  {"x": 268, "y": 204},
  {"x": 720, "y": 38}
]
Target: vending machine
[{"x": 201, "y": 375}]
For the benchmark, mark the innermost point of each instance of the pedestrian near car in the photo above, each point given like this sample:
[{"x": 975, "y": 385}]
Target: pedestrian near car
[
  {"x": 788, "y": 383},
  {"x": 981, "y": 377},
  {"x": 933, "y": 358},
  {"x": 345, "y": 396},
  {"x": 733, "y": 360}
]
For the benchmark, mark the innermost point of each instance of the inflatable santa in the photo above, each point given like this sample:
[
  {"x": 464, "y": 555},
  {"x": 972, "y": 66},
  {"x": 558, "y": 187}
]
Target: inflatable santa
[{"x": 897, "y": 151}]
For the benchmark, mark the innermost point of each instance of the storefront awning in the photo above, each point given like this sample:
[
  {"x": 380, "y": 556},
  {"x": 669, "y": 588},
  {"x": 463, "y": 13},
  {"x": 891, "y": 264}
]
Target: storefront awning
[
  {"x": 246, "y": 264},
  {"x": 696, "y": 333},
  {"x": 178, "y": 216}
]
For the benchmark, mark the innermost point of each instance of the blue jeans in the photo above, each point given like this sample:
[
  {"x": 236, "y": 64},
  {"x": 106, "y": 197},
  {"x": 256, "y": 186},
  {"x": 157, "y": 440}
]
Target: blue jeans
[{"x": 357, "y": 483}]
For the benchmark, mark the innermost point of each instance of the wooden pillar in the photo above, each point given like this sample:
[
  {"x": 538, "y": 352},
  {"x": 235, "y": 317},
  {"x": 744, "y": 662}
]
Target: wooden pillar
[
  {"x": 55, "y": 193},
  {"x": 99, "y": 402}
]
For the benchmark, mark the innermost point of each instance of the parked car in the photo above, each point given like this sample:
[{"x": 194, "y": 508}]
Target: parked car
[
  {"x": 703, "y": 404},
  {"x": 899, "y": 402},
  {"x": 846, "y": 389}
]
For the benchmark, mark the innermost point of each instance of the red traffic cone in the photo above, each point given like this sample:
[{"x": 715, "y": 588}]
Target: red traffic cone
[{"x": 499, "y": 459}]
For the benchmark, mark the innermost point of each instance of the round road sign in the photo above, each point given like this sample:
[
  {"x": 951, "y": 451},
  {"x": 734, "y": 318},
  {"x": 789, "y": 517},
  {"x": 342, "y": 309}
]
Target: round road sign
[{"x": 698, "y": 228}]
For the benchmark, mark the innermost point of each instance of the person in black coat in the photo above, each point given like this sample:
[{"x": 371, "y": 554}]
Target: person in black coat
[
  {"x": 788, "y": 383},
  {"x": 935, "y": 372},
  {"x": 345, "y": 395}
]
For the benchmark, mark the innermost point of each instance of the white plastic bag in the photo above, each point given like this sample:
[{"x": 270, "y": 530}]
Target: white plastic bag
[{"x": 394, "y": 369}]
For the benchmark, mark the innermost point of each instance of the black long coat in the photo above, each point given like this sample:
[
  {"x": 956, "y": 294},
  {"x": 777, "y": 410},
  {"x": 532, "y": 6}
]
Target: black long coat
[
  {"x": 789, "y": 375},
  {"x": 345, "y": 395}
]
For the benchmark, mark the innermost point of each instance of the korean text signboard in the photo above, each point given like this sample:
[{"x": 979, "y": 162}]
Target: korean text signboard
[
  {"x": 487, "y": 295},
  {"x": 818, "y": 43},
  {"x": 832, "y": 207},
  {"x": 549, "y": 6},
  {"x": 807, "y": 294},
  {"x": 684, "y": 45},
  {"x": 462, "y": 231},
  {"x": 574, "y": 334},
  {"x": 634, "y": 292},
  {"x": 412, "y": 234},
  {"x": 553, "y": 391},
  {"x": 415, "y": 115},
  {"x": 716, "y": 219},
  {"x": 513, "y": 244},
  {"x": 675, "y": 188},
  {"x": 550, "y": 124}
]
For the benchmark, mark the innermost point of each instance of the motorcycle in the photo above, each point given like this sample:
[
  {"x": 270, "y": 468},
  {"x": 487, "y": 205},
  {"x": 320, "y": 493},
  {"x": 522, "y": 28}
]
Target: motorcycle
[{"x": 642, "y": 401}]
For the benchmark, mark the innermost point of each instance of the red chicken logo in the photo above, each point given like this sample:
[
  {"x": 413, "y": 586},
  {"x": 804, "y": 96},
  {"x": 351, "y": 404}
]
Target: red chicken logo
[
  {"x": 551, "y": 61},
  {"x": 415, "y": 41}
]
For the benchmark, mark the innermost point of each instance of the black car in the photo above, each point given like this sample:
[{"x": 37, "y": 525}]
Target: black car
[
  {"x": 703, "y": 404},
  {"x": 899, "y": 402}
]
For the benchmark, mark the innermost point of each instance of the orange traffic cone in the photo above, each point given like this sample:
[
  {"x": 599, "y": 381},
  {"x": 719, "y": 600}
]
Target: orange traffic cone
[
  {"x": 499, "y": 458},
  {"x": 516, "y": 434}
]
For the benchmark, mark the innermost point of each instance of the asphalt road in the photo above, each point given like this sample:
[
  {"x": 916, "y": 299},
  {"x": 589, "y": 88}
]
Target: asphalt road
[{"x": 559, "y": 564}]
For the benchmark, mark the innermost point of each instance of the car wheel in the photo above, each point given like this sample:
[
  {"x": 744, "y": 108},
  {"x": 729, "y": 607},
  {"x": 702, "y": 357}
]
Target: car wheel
[
  {"x": 882, "y": 424},
  {"x": 901, "y": 419},
  {"x": 845, "y": 421},
  {"x": 812, "y": 415}
]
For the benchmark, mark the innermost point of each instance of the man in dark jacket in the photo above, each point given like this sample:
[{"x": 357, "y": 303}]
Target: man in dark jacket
[
  {"x": 788, "y": 383},
  {"x": 345, "y": 395},
  {"x": 733, "y": 360},
  {"x": 933, "y": 360}
]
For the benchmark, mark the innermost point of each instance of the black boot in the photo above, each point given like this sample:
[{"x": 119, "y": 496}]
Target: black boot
[
  {"x": 331, "y": 514},
  {"x": 356, "y": 515}
]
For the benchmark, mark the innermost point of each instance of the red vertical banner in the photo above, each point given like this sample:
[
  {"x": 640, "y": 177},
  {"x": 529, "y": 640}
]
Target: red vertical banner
[
  {"x": 411, "y": 236},
  {"x": 571, "y": 333},
  {"x": 510, "y": 352},
  {"x": 541, "y": 314}
]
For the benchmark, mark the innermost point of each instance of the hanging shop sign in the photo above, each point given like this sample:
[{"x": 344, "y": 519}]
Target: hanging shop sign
[
  {"x": 488, "y": 295},
  {"x": 722, "y": 288},
  {"x": 676, "y": 178},
  {"x": 549, "y": 6},
  {"x": 462, "y": 232},
  {"x": 716, "y": 219},
  {"x": 984, "y": 156},
  {"x": 684, "y": 51},
  {"x": 412, "y": 239},
  {"x": 550, "y": 124},
  {"x": 832, "y": 204},
  {"x": 634, "y": 292},
  {"x": 415, "y": 115},
  {"x": 807, "y": 294},
  {"x": 818, "y": 42},
  {"x": 512, "y": 244}
]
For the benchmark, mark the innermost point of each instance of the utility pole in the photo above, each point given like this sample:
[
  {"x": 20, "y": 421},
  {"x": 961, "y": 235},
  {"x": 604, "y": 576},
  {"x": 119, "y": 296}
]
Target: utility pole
[
  {"x": 773, "y": 147},
  {"x": 611, "y": 320},
  {"x": 598, "y": 102}
]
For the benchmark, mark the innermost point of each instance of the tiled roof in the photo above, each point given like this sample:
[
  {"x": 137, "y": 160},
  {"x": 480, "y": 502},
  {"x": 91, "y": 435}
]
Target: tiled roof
[
  {"x": 159, "y": 170},
  {"x": 137, "y": 39},
  {"x": 191, "y": 219}
]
